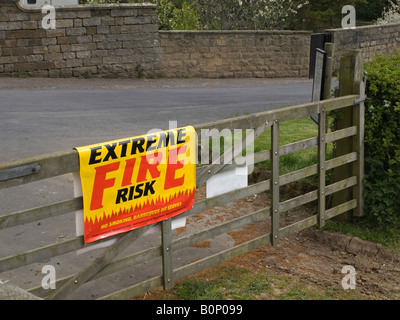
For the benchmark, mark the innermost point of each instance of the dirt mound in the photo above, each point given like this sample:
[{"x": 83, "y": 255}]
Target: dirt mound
[
  {"x": 352, "y": 245},
  {"x": 319, "y": 257}
]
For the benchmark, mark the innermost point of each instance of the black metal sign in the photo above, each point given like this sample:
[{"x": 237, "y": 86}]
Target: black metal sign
[{"x": 319, "y": 78}]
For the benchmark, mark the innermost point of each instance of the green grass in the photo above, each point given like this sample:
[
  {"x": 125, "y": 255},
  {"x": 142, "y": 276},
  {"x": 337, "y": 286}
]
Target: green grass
[
  {"x": 289, "y": 132},
  {"x": 240, "y": 283},
  {"x": 199, "y": 290},
  {"x": 230, "y": 283}
]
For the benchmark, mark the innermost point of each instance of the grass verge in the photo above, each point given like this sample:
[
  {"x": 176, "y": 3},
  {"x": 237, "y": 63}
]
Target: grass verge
[
  {"x": 289, "y": 132},
  {"x": 229, "y": 282}
]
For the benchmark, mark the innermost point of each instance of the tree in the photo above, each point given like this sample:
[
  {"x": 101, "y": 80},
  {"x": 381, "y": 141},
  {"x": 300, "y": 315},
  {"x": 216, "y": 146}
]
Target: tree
[
  {"x": 247, "y": 14},
  {"x": 391, "y": 13},
  {"x": 322, "y": 14},
  {"x": 372, "y": 10},
  {"x": 334, "y": 6}
]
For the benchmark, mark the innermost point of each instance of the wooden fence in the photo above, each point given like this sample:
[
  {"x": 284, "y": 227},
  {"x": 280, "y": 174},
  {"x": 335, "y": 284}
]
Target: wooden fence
[{"x": 25, "y": 171}]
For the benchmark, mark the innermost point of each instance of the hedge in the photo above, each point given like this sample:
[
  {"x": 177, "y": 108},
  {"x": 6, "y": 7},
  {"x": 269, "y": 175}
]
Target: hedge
[{"x": 382, "y": 141}]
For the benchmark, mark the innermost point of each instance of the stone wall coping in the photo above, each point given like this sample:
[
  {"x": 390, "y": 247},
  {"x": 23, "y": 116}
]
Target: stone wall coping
[
  {"x": 286, "y": 32},
  {"x": 86, "y": 7},
  {"x": 388, "y": 25}
]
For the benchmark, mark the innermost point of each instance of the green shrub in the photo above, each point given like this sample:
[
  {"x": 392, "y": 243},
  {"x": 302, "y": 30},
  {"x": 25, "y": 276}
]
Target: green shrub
[
  {"x": 382, "y": 141},
  {"x": 171, "y": 17}
]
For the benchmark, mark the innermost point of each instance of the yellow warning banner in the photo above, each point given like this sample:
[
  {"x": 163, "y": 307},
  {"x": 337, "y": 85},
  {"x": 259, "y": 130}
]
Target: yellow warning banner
[{"x": 133, "y": 182}]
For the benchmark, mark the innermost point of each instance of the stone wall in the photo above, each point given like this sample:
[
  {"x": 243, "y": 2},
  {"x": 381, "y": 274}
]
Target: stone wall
[
  {"x": 271, "y": 54},
  {"x": 122, "y": 40},
  {"x": 89, "y": 40},
  {"x": 370, "y": 40}
]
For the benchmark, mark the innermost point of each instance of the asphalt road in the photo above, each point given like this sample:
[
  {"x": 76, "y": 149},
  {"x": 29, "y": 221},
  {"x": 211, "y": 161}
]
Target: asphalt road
[
  {"x": 49, "y": 118},
  {"x": 48, "y": 115}
]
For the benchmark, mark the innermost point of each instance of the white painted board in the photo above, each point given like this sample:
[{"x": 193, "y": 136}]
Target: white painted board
[{"x": 228, "y": 179}]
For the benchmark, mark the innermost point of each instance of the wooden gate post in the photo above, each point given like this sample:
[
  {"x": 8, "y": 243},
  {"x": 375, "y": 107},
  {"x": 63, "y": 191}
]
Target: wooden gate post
[{"x": 350, "y": 82}]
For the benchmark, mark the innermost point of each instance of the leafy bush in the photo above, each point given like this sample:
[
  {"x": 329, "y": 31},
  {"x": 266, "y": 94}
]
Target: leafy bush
[
  {"x": 171, "y": 17},
  {"x": 382, "y": 141},
  {"x": 185, "y": 18}
]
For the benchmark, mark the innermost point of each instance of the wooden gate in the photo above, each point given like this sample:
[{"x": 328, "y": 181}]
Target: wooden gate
[{"x": 28, "y": 170}]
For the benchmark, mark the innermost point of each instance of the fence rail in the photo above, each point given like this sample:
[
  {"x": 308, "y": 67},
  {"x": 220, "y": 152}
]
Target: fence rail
[{"x": 107, "y": 263}]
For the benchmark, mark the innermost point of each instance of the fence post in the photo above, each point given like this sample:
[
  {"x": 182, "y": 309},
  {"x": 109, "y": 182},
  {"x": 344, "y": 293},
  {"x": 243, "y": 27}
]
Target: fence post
[
  {"x": 321, "y": 166},
  {"x": 351, "y": 74},
  {"x": 166, "y": 230},
  {"x": 275, "y": 182},
  {"x": 358, "y": 146}
]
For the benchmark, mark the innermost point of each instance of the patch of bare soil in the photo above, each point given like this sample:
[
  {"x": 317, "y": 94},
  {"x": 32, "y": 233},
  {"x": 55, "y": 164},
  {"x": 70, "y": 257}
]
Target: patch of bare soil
[
  {"x": 318, "y": 258},
  {"x": 312, "y": 256}
]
